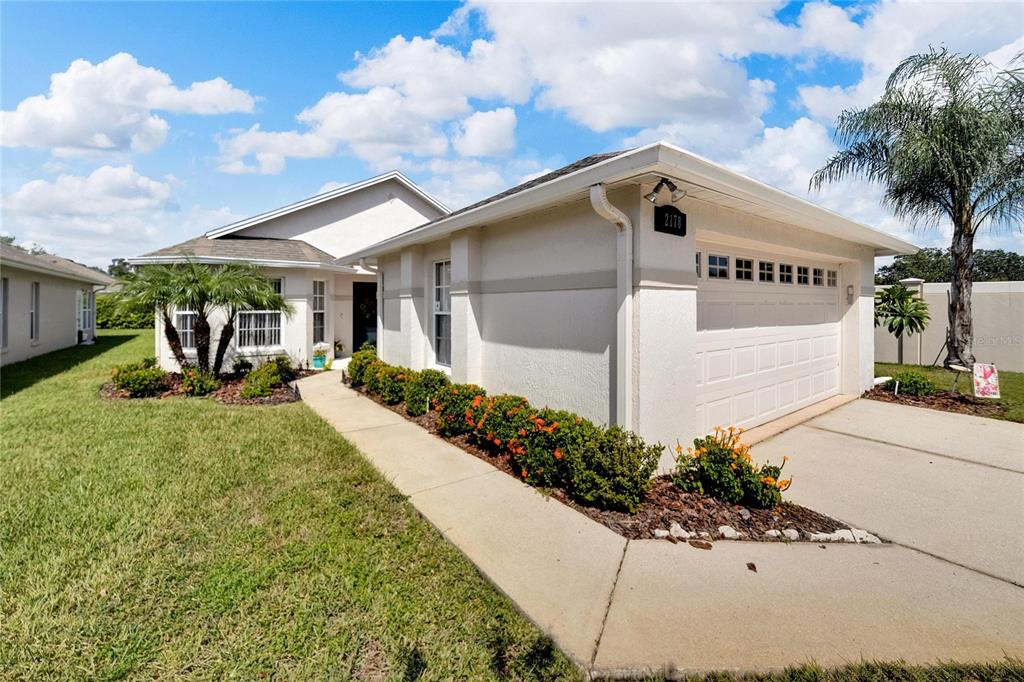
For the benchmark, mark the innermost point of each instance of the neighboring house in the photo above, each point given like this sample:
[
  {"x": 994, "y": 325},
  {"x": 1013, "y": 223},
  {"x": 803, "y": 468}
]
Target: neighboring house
[
  {"x": 576, "y": 291},
  {"x": 296, "y": 246},
  {"x": 46, "y": 303}
]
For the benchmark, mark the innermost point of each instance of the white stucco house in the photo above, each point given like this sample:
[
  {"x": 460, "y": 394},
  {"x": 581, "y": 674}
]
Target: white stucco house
[
  {"x": 297, "y": 246},
  {"x": 649, "y": 288},
  {"x": 46, "y": 303}
]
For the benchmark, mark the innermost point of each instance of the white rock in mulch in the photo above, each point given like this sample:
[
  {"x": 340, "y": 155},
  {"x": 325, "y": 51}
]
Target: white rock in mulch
[
  {"x": 706, "y": 535},
  {"x": 841, "y": 535},
  {"x": 863, "y": 536},
  {"x": 677, "y": 531},
  {"x": 773, "y": 533},
  {"x": 745, "y": 514},
  {"x": 791, "y": 534},
  {"x": 660, "y": 533},
  {"x": 729, "y": 533}
]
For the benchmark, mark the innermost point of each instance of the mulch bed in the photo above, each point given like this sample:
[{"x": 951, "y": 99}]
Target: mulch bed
[
  {"x": 230, "y": 391},
  {"x": 664, "y": 505},
  {"x": 942, "y": 400}
]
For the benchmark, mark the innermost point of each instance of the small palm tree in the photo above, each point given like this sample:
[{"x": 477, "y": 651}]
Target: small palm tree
[
  {"x": 902, "y": 312},
  {"x": 946, "y": 142},
  {"x": 154, "y": 287},
  {"x": 237, "y": 287}
]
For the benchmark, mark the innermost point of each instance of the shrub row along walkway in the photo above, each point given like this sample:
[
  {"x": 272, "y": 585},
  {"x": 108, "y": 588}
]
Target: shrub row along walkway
[{"x": 620, "y": 606}]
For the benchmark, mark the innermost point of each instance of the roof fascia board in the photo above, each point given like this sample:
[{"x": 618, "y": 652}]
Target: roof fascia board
[
  {"x": 218, "y": 260},
  {"x": 327, "y": 196}
]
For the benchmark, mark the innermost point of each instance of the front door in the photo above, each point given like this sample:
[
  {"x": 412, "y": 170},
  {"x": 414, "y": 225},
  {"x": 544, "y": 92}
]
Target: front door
[{"x": 364, "y": 314}]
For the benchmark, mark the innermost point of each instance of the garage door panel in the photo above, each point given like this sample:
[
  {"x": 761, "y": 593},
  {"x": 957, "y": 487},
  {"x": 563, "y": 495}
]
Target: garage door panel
[
  {"x": 719, "y": 366},
  {"x": 746, "y": 361}
]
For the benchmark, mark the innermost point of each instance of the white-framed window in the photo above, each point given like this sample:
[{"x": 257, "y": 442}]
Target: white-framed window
[
  {"x": 260, "y": 328},
  {"x": 5, "y": 297},
  {"x": 718, "y": 267},
  {"x": 785, "y": 273},
  {"x": 319, "y": 310},
  {"x": 443, "y": 313},
  {"x": 833, "y": 278},
  {"x": 819, "y": 277},
  {"x": 33, "y": 313},
  {"x": 765, "y": 271},
  {"x": 698, "y": 265},
  {"x": 802, "y": 274},
  {"x": 744, "y": 270},
  {"x": 185, "y": 323},
  {"x": 86, "y": 310}
]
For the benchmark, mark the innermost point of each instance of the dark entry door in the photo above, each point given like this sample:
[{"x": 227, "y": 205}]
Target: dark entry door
[{"x": 364, "y": 314}]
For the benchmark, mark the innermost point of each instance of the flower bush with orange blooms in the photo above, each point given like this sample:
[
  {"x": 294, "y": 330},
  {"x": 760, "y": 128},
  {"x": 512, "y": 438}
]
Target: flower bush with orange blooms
[
  {"x": 720, "y": 465},
  {"x": 387, "y": 381},
  {"x": 421, "y": 388},
  {"x": 456, "y": 406}
]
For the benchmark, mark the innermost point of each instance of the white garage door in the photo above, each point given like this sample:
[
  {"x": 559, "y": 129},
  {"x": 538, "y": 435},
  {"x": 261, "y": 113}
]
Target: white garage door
[{"x": 768, "y": 337}]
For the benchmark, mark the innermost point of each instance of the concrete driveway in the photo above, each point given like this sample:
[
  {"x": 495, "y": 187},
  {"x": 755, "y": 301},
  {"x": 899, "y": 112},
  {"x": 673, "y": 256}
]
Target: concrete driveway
[{"x": 945, "y": 484}]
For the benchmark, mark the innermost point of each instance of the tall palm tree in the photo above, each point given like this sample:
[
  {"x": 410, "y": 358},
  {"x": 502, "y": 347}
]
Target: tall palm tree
[
  {"x": 194, "y": 287},
  {"x": 902, "y": 312},
  {"x": 946, "y": 142},
  {"x": 154, "y": 287},
  {"x": 237, "y": 287}
]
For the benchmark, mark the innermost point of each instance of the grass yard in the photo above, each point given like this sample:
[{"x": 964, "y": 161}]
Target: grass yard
[
  {"x": 1011, "y": 385},
  {"x": 185, "y": 538}
]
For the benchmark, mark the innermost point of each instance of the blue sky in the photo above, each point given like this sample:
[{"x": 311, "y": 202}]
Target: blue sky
[{"x": 125, "y": 155}]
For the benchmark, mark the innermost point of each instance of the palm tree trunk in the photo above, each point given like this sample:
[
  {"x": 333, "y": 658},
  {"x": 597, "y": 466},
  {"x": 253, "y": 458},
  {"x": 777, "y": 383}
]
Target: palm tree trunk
[
  {"x": 173, "y": 340},
  {"x": 202, "y": 332},
  {"x": 227, "y": 332},
  {"x": 960, "y": 334}
]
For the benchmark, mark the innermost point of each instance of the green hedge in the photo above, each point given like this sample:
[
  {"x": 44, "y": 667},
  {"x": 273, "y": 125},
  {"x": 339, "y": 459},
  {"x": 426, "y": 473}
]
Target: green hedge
[
  {"x": 604, "y": 467},
  {"x": 109, "y": 316},
  {"x": 140, "y": 379},
  {"x": 262, "y": 381}
]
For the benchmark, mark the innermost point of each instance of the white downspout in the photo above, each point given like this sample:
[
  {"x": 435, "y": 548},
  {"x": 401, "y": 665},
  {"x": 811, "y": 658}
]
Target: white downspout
[{"x": 624, "y": 295}]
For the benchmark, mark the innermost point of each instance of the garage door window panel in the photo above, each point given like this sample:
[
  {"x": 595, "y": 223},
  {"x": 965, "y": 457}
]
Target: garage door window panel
[
  {"x": 819, "y": 277},
  {"x": 744, "y": 270},
  {"x": 833, "y": 278},
  {"x": 785, "y": 274},
  {"x": 766, "y": 271},
  {"x": 718, "y": 267},
  {"x": 803, "y": 275}
]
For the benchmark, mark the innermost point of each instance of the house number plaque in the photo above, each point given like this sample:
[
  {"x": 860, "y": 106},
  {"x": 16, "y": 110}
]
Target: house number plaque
[{"x": 670, "y": 220}]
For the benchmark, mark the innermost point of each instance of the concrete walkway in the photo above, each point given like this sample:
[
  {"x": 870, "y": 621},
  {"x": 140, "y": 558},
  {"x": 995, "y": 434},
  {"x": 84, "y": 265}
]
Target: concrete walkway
[{"x": 621, "y": 607}]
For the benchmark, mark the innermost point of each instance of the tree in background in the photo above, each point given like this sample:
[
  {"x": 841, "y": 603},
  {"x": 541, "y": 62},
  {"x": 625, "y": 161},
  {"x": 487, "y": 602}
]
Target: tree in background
[
  {"x": 902, "y": 312},
  {"x": 934, "y": 265},
  {"x": 118, "y": 267},
  {"x": 945, "y": 142}
]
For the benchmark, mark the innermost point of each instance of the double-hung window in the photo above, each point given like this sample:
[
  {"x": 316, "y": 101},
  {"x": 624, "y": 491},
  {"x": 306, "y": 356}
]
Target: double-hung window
[
  {"x": 765, "y": 271},
  {"x": 319, "y": 310},
  {"x": 185, "y": 323},
  {"x": 443, "y": 313},
  {"x": 819, "y": 277},
  {"x": 259, "y": 328},
  {"x": 802, "y": 273},
  {"x": 833, "y": 278},
  {"x": 5, "y": 297},
  {"x": 785, "y": 274},
  {"x": 718, "y": 267},
  {"x": 86, "y": 312},
  {"x": 698, "y": 265},
  {"x": 33, "y": 313},
  {"x": 744, "y": 270}
]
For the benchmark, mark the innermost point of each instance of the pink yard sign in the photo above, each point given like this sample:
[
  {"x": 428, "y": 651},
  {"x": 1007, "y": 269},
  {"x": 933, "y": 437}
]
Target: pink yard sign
[{"x": 986, "y": 381}]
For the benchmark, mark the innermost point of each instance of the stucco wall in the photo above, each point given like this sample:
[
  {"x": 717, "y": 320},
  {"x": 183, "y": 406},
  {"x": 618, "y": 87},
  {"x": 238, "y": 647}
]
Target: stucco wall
[
  {"x": 998, "y": 313},
  {"x": 58, "y": 327}
]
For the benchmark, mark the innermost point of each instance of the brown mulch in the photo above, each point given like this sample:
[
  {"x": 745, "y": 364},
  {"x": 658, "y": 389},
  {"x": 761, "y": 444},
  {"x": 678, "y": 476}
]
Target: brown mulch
[
  {"x": 230, "y": 391},
  {"x": 942, "y": 400},
  {"x": 664, "y": 505}
]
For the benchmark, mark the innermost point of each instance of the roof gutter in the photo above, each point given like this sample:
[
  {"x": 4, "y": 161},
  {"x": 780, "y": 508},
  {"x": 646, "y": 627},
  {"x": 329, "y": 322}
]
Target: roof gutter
[
  {"x": 369, "y": 268},
  {"x": 624, "y": 296}
]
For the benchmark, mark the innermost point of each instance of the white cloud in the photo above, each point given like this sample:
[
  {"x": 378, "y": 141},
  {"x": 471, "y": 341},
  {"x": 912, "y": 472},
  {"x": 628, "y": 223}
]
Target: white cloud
[
  {"x": 332, "y": 185},
  {"x": 108, "y": 108},
  {"x": 107, "y": 190},
  {"x": 486, "y": 133}
]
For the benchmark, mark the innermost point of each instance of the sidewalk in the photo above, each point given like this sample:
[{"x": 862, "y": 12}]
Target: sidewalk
[{"x": 621, "y": 607}]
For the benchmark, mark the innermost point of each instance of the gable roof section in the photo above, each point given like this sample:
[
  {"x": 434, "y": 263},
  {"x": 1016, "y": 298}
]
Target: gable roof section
[
  {"x": 703, "y": 180},
  {"x": 328, "y": 196},
  {"x": 49, "y": 264},
  {"x": 256, "y": 250}
]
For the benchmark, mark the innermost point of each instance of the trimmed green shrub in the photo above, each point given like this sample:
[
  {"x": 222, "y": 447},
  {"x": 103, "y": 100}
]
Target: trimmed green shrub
[
  {"x": 502, "y": 423},
  {"x": 196, "y": 382},
  {"x": 912, "y": 382},
  {"x": 613, "y": 472},
  {"x": 241, "y": 366},
  {"x": 721, "y": 466},
  {"x": 550, "y": 439},
  {"x": 284, "y": 366},
  {"x": 262, "y": 381},
  {"x": 387, "y": 381},
  {"x": 111, "y": 316},
  {"x": 455, "y": 404},
  {"x": 358, "y": 364},
  {"x": 421, "y": 388},
  {"x": 140, "y": 379}
]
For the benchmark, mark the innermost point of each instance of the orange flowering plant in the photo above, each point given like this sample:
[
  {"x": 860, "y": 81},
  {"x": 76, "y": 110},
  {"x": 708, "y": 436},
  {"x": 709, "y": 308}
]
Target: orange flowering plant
[
  {"x": 421, "y": 388},
  {"x": 387, "y": 381},
  {"x": 720, "y": 465},
  {"x": 456, "y": 406}
]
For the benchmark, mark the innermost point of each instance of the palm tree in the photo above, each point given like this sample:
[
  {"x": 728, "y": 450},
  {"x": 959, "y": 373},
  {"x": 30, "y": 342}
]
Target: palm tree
[
  {"x": 902, "y": 312},
  {"x": 194, "y": 287},
  {"x": 946, "y": 142},
  {"x": 154, "y": 287},
  {"x": 236, "y": 287}
]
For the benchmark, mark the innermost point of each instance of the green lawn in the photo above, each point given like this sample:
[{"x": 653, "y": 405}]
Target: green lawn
[
  {"x": 184, "y": 538},
  {"x": 1011, "y": 385}
]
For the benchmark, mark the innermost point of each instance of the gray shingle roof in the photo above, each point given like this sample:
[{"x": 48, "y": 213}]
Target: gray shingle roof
[
  {"x": 60, "y": 267},
  {"x": 247, "y": 248}
]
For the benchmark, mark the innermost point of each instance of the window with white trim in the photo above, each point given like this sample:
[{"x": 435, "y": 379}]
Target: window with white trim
[
  {"x": 802, "y": 274},
  {"x": 718, "y": 267},
  {"x": 698, "y": 265},
  {"x": 744, "y": 270},
  {"x": 819, "y": 277},
  {"x": 185, "y": 323},
  {"x": 765, "y": 271},
  {"x": 833, "y": 278},
  {"x": 260, "y": 328},
  {"x": 443, "y": 313},
  {"x": 319, "y": 310},
  {"x": 5, "y": 286},
  {"x": 86, "y": 311},
  {"x": 785, "y": 273},
  {"x": 33, "y": 313}
]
